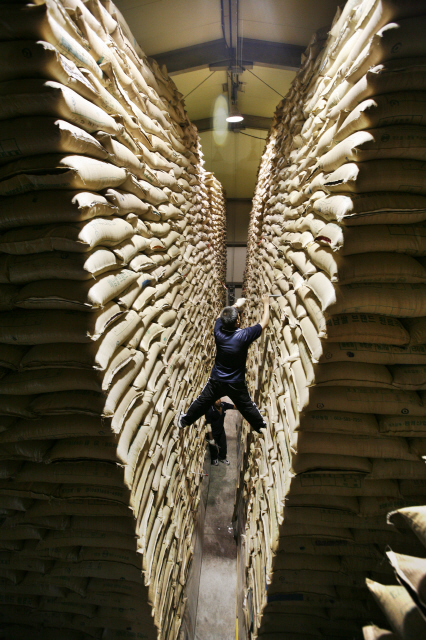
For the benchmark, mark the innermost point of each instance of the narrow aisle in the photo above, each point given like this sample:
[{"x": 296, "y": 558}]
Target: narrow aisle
[{"x": 216, "y": 615}]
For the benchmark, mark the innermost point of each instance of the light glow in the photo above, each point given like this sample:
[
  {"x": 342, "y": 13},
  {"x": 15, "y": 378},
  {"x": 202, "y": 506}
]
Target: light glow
[
  {"x": 235, "y": 118},
  {"x": 220, "y": 128},
  {"x": 234, "y": 115}
]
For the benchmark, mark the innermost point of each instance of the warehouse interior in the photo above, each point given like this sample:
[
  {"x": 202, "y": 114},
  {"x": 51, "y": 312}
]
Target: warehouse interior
[
  {"x": 195, "y": 40},
  {"x": 159, "y": 161}
]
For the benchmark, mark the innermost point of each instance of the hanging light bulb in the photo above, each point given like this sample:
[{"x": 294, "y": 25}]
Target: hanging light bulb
[{"x": 234, "y": 115}]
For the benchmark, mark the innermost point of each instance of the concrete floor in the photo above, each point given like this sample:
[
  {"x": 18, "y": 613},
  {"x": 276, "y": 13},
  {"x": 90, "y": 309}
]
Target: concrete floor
[{"x": 217, "y": 598}]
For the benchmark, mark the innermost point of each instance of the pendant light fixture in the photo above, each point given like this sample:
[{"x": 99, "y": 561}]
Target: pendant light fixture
[{"x": 234, "y": 114}]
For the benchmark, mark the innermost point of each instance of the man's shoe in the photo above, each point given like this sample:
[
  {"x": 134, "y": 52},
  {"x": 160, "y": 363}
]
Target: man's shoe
[
  {"x": 180, "y": 421},
  {"x": 224, "y": 461},
  {"x": 215, "y": 463}
]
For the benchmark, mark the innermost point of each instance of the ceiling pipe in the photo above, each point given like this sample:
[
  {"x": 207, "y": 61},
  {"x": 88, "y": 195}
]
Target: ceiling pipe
[{"x": 235, "y": 69}]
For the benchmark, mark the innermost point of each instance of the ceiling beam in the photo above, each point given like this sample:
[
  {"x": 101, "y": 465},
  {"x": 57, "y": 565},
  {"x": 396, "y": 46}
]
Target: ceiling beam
[
  {"x": 273, "y": 54},
  {"x": 261, "y": 52},
  {"x": 249, "y": 122},
  {"x": 197, "y": 56}
]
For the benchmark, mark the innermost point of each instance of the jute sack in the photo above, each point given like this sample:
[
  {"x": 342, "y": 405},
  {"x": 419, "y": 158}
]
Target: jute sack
[
  {"x": 401, "y": 141},
  {"x": 294, "y": 561},
  {"x": 7, "y": 295},
  {"x": 416, "y": 327},
  {"x": 372, "y": 208},
  {"x": 401, "y": 107},
  {"x": 16, "y": 406},
  {"x": 366, "y": 327},
  {"x": 408, "y": 377},
  {"x": 117, "y": 334},
  {"x": 326, "y": 462},
  {"x": 365, "y": 267},
  {"x": 406, "y": 74},
  {"x": 333, "y": 517},
  {"x": 104, "y": 98},
  {"x": 343, "y": 484},
  {"x": 366, "y": 400},
  {"x": 39, "y": 59},
  {"x": 312, "y": 306},
  {"x": 73, "y": 473},
  {"x": 400, "y": 426},
  {"x": 20, "y": 269},
  {"x": 412, "y": 517},
  {"x": 55, "y": 171},
  {"x": 397, "y": 470},
  {"x": 36, "y": 135},
  {"x": 374, "y": 16},
  {"x": 129, "y": 203},
  {"x": 11, "y": 356},
  {"x": 375, "y": 633},
  {"x": 155, "y": 160},
  {"x": 338, "y": 422},
  {"x": 100, "y": 569},
  {"x": 374, "y": 353},
  {"x": 378, "y": 175},
  {"x": 78, "y": 237},
  {"x": 21, "y": 632},
  {"x": 72, "y": 295},
  {"x": 353, "y": 374},
  {"x": 395, "y": 40},
  {"x": 38, "y": 97},
  {"x": 111, "y": 61},
  {"x": 53, "y": 207},
  {"x": 410, "y": 239},
  {"x": 46, "y": 327},
  {"x": 82, "y": 448},
  {"x": 399, "y": 609},
  {"x": 377, "y": 298},
  {"x": 55, "y": 427},
  {"x": 38, "y": 23},
  {"x": 121, "y": 382},
  {"x": 89, "y": 403},
  {"x": 293, "y": 623},
  {"x": 360, "y": 446},
  {"x": 142, "y": 189},
  {"x": 322, "y": 578},
  {"x": 380, "y": 267},
  {"x": 48, "y": 381},
  {"x": 169, "y": 211},
  {"x": 119, "y": 154},
  {"x": 27, "y": 450},
  {"x": 411, "y": 574},
  {"x": 403, "y": 300}
]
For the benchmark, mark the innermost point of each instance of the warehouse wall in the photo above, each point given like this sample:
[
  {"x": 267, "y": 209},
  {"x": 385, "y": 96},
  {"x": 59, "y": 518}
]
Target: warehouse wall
[
  {"x": 112, "y": 267},
  {"x": 235, "y": 163},
  {"x": 337, "y": 235}
]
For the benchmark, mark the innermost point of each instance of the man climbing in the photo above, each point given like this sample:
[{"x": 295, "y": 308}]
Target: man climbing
[
  {"x": 228, "y": 374},
  {"x": 215, "y": 416}
]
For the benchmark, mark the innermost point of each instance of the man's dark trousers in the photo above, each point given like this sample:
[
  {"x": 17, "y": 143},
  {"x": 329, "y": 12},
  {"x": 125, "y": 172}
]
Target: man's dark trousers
[
  {"x": 239, "y": 395},
  {"x": 221, "y": 450}
]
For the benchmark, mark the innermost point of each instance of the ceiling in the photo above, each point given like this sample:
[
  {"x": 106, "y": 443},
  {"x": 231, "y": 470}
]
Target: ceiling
[
  {"x": 165, "y": 25},
  {"x": 256, "y": 99},
  {"x": 187, "y": 36}
]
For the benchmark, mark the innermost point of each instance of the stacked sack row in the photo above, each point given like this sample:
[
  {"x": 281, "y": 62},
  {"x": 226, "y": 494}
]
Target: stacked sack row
[
  {"x": 404, "y": 604},
  {"x": 110, "y": 235},
  {"x": 337, "y": 234}
]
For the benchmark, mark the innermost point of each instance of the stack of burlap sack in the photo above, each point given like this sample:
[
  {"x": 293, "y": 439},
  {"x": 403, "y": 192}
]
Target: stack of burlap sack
[
  {"x": 337, "y": 232},
  {"x": 404, "y": 604},
  {"x": 111, "y": 255}
]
